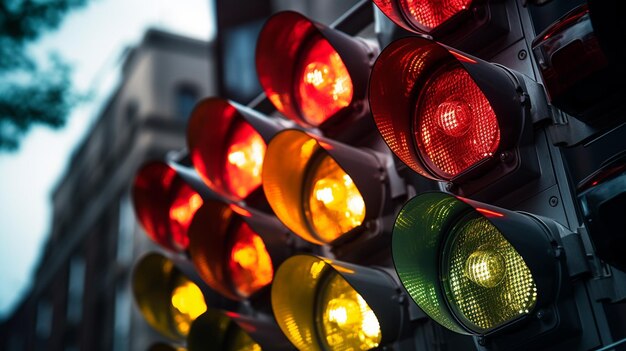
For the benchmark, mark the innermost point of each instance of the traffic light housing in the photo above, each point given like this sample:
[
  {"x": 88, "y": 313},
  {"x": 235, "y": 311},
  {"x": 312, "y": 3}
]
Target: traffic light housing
[
  {"x": 510, "y": 279},
  {"x": 324, "y": 304},
  {"x": 313, "y": 74},
  {"x": 481, "y": 270},
  {"x": 453, "y": 117}
]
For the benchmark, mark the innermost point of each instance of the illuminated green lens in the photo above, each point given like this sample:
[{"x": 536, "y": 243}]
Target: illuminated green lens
[{"x": 486, "y": 280}]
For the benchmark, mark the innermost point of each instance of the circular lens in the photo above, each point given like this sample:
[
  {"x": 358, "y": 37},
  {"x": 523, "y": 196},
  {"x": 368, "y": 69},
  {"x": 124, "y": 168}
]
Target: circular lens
[
  {"x": 345, "y": 321},
  {"x": 244, "y": 160},
  {"x": 335, "y": 205},
  {"x": 485, "y": 279},
  {"x": 323, "y": 86},
  {"x": 429, "y": 14},
  {"x": 250, "y": 264},
  {"x": 455, "y": 126},
  {"x": 187, "y": 304}
]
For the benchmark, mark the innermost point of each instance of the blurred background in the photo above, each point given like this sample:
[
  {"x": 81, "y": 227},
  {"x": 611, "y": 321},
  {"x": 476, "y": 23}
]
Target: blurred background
[{"x": 90, "y": 90}]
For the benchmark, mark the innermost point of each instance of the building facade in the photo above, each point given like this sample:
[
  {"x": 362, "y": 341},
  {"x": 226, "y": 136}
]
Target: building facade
[{"x": 81, "y": 297}]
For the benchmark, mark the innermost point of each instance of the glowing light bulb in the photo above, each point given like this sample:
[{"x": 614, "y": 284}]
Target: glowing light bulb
[
  {"x": 188, "y": 302},
  {"x": 347, "y": 320},
  {"x": 455, "y": 117},
  {"x": 324, "y": 86},
  {"x": 250, "y": 264},
  {"x": 244, "y": 160},
  {"x": 181, "y": 213},
  {"x": 485, "y": 267},
  {"x": 335, "y": 204}
]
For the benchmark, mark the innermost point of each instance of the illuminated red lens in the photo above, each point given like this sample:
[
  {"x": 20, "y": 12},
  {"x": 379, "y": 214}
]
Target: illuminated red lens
[
  {"x": 250, "y": 264},
  {"x": 244, "y": 160},
  {"x": 183, "y": 207},
  {"x": 323, "y": 84},
  {"x": 455, "y": 126},
  {"x": 165, "y": 205},
  {"x": 429, "y": 14},
  {"x": 225, "y": 148}
]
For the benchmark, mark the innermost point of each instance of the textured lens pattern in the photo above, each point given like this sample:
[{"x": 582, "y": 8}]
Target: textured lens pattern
[
  {"x": 335, "y": 205},
  {"x": 429, "y": 14},
  {"x": 347, "y": 322},
  {"x": 324, "y": 85},
  {"x": 455, "y": 126},
  {"x": 486, "y": 279}
]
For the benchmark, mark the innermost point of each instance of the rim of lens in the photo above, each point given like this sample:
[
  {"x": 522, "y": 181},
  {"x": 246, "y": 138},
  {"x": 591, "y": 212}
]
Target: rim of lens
[
  {"x": 448, "y": 153},
  {"x": 475, "y": 305}
]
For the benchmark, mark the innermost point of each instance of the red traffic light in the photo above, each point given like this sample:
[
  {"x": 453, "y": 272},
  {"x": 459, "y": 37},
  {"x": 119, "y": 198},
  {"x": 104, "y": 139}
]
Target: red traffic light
[
  {"x": 311, "y": 73},
  {"x": 445, "y": 114},
  {"x": 227, "y": 145},
  {"x": 422, "y": 15},
  {"x": 164, "y": 205},
  {"x": 235, "y": 250}
]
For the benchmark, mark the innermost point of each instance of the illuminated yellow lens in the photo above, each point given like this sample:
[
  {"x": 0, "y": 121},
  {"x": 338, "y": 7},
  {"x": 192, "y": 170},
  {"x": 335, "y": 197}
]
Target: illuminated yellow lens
[
  {"x": 241, "y": 341},
  {"x": 347, "y": 322},
  {"x": 488, "y": 282},
  {"x": 335, "y": 205},
  {"x": 187, "y": 304}
]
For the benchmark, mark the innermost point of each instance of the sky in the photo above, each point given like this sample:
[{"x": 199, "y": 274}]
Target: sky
[{"x": 93, "y": 40}]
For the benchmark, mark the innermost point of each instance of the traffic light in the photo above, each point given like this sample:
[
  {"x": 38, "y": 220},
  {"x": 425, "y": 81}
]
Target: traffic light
[
  {"x": 482, "y": 270},
  {"x": 168, "y": 300},
  {"x": 464, "y": 24},
  {"x": 344, "y": 306},
  {"x": 172, "y": 303},
  {"x": 313, "y": 74},
  {"x": 236, "y": 250},
  {"x": 498, "y": 258},
  {"x": 332, "y": 191},
  {"x": 465, "y": 121},
  {"x": 227, "y": 145},
  {"x": 164, "y": 204}
]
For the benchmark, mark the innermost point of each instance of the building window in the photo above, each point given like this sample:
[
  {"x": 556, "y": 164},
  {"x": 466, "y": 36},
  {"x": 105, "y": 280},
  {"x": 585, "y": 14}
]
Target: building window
[
  {"x": 43, "y": 325},
  {"x": 186, "y": 98},
  {"x": 75, "y": 290}
]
